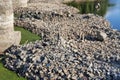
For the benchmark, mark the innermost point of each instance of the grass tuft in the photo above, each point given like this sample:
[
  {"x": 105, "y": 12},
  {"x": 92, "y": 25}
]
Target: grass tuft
[
  {"x": 6, "y": 74},
  {"x": 27, "y": 36}
]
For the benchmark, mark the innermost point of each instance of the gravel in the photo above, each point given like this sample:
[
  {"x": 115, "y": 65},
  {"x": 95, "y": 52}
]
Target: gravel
[{"x": 43, "y": 60}]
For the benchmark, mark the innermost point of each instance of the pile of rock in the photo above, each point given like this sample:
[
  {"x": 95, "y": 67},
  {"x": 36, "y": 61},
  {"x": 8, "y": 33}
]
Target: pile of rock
[
  {"x": 40, "y": 9},
  {"x": 44, "y": 60},
  {"x": 70, "y": 26},
  {"x": 73, "y": 46}
]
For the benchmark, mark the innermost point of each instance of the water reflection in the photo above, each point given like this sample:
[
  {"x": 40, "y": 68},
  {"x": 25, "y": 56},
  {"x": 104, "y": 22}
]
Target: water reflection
[
  {"x": 110, "y": 9},
  {"x": 113, "y": 14}
]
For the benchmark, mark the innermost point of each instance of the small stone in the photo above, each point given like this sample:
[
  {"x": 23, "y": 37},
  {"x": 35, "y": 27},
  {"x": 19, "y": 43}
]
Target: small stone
[
  {"x": 74, "y": 77},
  {"x": 45, "y": 60},
  {"x": 37, "y": 78},
  {"x": 62, "y": 74},
  {"x": 62, "y": 57},
  {"x": 65, "y": 71},
  {"x": 26, "y": 74},
  {"x": 71, "y": 58},
  {"x": 68, "y": 76},
  {"x": 81, "y": 75},
  {"x": 41, "y": 74},
  {"x": 91, "y": 75}
]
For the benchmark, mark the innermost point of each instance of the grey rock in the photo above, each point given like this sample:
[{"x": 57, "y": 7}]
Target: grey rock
[
  {"x": 101, "y": 36},
  {"x": 62, "y": 57}
]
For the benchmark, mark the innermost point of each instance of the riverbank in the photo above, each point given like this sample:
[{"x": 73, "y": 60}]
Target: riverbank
[{"x": 73, "y": 46}]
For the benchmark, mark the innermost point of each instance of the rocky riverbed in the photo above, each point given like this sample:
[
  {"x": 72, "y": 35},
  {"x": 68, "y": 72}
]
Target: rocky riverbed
[{"x": 73, "y": 46}]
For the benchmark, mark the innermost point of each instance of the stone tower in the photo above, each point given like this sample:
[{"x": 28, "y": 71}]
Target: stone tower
[{"x": 8, "y": 36}]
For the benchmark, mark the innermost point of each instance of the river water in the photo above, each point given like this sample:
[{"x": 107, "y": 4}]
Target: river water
[
  {"x": 113, "y": 14},
  {"x": 109, "y": 9}
]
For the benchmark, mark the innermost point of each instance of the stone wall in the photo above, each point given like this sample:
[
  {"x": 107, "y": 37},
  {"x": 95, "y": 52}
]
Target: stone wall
[{"x": 8, "y": 36}]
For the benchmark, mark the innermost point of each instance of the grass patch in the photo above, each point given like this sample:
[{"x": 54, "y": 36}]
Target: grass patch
[
  {"x": 27, "y": 36},
  {"x": 6, "y": 74}
]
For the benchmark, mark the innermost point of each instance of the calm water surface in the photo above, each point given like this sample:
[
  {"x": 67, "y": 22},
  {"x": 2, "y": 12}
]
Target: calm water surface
[{"x": 113, "y": 14}]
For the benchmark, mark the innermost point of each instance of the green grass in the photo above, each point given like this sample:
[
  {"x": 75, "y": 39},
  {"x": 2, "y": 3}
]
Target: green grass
[
  {"x": 6, "y": 74},
  {"x": 89, "y": 6},
  {"x": 27, "y": 36}
]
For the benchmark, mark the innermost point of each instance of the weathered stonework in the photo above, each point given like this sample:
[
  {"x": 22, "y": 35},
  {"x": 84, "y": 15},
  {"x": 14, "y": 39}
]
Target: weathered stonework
[{"x": 8, "y": 36}]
